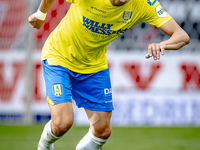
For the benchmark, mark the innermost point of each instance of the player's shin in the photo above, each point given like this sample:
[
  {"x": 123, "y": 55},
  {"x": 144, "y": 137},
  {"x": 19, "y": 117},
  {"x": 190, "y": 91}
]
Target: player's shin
[
  {"x": 90, "y": 142},
  {"x": 47, "y": 138}
]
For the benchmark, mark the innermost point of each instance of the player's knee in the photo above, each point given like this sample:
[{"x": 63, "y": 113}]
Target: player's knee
[
  {"x": 107, "y": 132},
  {"x": 103, "y": 131},
  {"x": 62, "y": 126}
]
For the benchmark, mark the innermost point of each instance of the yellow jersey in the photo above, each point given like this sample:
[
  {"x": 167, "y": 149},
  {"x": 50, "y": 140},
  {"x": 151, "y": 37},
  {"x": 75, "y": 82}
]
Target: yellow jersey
[{"x": 80, "y": 41}]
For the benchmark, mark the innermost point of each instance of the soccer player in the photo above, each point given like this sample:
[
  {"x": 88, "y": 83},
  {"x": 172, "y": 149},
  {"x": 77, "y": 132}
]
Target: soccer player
[{"x": 75, "y": 64}]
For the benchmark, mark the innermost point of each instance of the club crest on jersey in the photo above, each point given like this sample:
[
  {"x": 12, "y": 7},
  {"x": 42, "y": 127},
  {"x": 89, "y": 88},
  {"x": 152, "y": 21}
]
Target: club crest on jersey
[
  {"x": 151, "y": 2},
  {"x": 127, "y": 15},
  {"x": 57, "y": 89}
]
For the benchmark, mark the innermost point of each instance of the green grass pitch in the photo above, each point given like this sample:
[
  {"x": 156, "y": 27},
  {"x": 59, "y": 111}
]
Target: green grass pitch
[{"x": 122, "y": 138}]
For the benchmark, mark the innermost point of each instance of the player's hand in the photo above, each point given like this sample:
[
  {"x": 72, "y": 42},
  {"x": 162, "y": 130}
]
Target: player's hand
[
  {"x": 155, "y": 49},
  {"x": 36, "y": 23}
]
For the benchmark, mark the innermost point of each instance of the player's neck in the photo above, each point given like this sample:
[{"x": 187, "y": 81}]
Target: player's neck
[{"x": 118, "y": 2}]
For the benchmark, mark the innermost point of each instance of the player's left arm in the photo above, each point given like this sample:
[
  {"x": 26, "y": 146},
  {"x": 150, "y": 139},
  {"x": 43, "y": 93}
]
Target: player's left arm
[{"x": 178, "y": 38}]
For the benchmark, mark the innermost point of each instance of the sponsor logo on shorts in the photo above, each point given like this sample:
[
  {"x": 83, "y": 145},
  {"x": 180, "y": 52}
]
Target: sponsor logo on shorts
[
  {"x": 57, "y": 89},
  {"x": 160, "y": 12},
  {"x": 108, "y": 101},
  {"x": 108, "y": 92},
  {"x": 151, "y": 2}
]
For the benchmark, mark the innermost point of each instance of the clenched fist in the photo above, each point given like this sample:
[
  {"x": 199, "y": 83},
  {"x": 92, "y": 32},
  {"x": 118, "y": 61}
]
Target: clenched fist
[{"x": 36, "y": 23}]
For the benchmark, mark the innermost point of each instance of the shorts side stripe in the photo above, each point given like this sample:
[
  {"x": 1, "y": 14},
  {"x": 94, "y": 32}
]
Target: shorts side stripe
[{"x": 49, "y": 101}]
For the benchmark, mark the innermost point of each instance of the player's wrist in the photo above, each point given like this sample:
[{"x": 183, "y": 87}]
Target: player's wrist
[{"x": 40, "y": 15}]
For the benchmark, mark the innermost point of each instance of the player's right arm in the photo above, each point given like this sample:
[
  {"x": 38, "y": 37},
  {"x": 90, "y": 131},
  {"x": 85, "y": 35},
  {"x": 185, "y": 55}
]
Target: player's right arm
[{"x": 37, "y": 19}]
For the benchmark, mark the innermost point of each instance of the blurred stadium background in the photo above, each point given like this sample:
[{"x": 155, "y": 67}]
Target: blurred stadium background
[{"x": 157, "y": 103}]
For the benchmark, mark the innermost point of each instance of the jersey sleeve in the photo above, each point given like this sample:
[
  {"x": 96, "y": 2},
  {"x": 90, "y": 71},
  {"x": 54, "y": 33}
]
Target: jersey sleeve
[{"x": 154, "y": 14}]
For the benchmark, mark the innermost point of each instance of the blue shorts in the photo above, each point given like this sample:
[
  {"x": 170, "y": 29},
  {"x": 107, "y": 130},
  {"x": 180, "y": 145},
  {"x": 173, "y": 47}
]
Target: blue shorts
[{"x": 90, "y": 91}]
